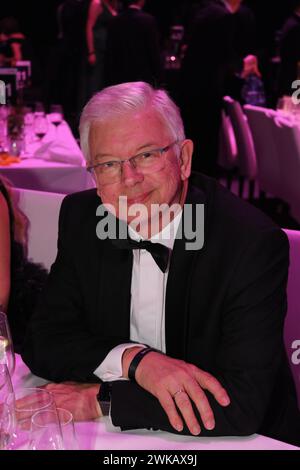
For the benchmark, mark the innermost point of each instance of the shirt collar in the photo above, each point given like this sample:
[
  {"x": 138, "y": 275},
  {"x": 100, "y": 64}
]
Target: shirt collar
[{"x": 166, "y": 237}]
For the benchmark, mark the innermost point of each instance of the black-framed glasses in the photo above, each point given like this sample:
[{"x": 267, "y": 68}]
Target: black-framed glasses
[{"x": 149, "y": 161}]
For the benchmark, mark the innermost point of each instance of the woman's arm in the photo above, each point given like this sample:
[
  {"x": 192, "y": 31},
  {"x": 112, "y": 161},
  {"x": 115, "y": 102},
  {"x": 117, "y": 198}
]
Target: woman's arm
[
  {"x": 95, "y": 9},
  {"x": 4, "y": 253}
]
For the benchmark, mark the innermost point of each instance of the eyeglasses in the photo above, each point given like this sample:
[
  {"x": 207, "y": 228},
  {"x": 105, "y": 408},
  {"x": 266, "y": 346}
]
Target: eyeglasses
[{"x": 146, "y": 162}]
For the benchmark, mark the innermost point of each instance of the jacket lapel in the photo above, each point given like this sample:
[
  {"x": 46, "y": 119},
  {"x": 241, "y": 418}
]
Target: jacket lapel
[
  {"x": 115, "y": 271},
  {"x": 179, "y": 282}
]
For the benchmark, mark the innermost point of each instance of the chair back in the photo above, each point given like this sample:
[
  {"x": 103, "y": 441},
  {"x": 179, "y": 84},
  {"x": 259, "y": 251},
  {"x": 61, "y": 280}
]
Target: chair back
[
  {"x": 287, "y": 141},
  {"x": 262, "y": 123},
  {"x": 42, "y": 210},
  {"x": 246, "y": 158},
  {"x": 227, "y": 145}
]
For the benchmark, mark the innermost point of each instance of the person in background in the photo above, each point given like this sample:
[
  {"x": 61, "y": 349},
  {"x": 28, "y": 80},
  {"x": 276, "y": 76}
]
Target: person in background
[
  {"x": 65, "y": 67},
  {"x": 11, "y": 42},
  {"x": 290, "y": 52},
  {"x": 20, "y": 280},
  {"x": 133, "y": 50},
  {"x": 184, "y": 333},
  {"x": 220, "y": 36},
  {"x": 99, "y": 16}
]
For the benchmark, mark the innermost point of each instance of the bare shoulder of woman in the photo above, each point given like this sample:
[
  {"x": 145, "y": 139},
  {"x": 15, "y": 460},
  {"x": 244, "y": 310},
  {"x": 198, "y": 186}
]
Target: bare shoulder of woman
[{"x": 3, "y": 209}]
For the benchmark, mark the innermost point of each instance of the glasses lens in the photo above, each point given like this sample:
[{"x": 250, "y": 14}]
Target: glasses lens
[{"x": 146, "y": 162}]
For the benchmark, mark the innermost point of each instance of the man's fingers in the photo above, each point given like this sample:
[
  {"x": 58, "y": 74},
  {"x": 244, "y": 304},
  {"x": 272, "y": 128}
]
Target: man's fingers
[
  {"x": 208, "y": 382},
  {"x": 183, "y": 402},
  {"x": 168, "y": 405},
  {"x": 202, "y": 403}
]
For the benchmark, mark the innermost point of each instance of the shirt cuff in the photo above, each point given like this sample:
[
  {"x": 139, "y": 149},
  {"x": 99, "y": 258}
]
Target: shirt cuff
[{"x": 110, "y": 368}]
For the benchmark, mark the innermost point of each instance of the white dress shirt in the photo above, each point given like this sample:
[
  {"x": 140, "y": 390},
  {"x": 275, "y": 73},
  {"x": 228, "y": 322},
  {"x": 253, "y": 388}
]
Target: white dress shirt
[{"x": 148, "y": 297}]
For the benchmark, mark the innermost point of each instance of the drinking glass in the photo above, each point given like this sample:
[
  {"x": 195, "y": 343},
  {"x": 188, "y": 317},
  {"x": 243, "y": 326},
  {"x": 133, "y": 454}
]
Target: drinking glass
[
  {"x": 3, "y": 127},
  {"x": 6, "y": 416},
  {"x": 45, "y": 431},
  {"x": 28, "y": 126},
  {"x": 56, "y": 116},
  {"x": 67, "y": 425},
  {"x": 6, "y": 388},
  {"x": 52, "y": 430},
  {"x": 7, "y": 355},
  {"x": 6, "y": 426},
  {"x": 25, "y": 403},
  {"x": 40, "y": 126}
]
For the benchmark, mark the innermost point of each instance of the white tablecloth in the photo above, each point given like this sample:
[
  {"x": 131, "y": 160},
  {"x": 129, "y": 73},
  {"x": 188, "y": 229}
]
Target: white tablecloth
[
  {"x": 55, "y": 164},
  {"x": 50, "y": 176},
  {"x": 102, "y": 435}
]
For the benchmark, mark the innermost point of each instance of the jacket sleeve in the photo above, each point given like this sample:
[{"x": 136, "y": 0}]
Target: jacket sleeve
[
  {"x": 60, "y": 343},
  {"x": 250, "y": 351}
]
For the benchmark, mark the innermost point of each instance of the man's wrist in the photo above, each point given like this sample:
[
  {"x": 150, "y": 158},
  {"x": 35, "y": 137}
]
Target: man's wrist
[
  {"x": 104, "y": 398},
  {"x": 127, "y": 358}
]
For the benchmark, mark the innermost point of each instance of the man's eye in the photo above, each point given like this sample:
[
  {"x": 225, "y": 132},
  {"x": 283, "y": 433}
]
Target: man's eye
[
  {"x": 107, "y": 165},
  {"x": 147, "y": 155}
]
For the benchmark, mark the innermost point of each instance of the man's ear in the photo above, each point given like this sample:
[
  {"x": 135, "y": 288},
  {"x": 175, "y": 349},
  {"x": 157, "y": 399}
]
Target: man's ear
[{"x": 187, "y": 148}]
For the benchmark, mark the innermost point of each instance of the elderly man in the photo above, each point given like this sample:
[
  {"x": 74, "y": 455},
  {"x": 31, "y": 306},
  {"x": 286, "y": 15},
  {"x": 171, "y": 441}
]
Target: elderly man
[{"x": 184, "y": 335}]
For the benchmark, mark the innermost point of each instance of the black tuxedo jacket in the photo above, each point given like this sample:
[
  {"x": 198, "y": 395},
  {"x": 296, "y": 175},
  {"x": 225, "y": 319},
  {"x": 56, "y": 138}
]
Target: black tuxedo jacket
[
  {"x": 225, "y": 309},
  {"x": 290, "y": 55},
  {"x": 132, "y": 51},
  {"x": 217, "y": 42}
]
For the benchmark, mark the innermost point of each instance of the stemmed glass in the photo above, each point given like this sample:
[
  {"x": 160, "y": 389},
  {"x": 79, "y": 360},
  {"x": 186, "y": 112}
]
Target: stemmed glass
[
  {"x": 25, "y": 403},
  {"x": 7, "y": 355},
  {"x": 56, "y": 116},
  {"x": 40, "y": 126},
  {"x": 6, "y": 415},
  {"x": 6, "y": 426}
]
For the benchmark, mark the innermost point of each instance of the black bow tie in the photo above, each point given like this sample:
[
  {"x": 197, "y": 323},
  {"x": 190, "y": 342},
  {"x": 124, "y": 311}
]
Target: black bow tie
[{"x": 159, "y": 252}]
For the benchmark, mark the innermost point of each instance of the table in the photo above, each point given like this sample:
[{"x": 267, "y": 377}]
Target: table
[
  {"x": 50, "y": 176},
  {"x": 102, "y": 435},
  {"x": 55, "y": 164}
]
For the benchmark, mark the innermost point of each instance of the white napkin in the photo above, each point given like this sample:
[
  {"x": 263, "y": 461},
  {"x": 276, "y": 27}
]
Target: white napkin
[{"x": 60, "y": 151}]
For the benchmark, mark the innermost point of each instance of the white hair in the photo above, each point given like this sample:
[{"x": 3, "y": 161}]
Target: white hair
[{"x": 126, "y": 98}]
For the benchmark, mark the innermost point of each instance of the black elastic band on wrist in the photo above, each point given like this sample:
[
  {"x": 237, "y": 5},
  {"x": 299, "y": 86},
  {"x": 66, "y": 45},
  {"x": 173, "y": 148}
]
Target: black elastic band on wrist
[{"x": 136, "y": 360}]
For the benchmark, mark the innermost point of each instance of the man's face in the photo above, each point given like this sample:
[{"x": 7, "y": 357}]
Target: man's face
[{"x": 127, "y": 136}]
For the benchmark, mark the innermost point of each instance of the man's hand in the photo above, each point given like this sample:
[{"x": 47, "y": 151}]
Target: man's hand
[
  {"x": 174, "y": 382},
  {"x": 80, "y": 399}
]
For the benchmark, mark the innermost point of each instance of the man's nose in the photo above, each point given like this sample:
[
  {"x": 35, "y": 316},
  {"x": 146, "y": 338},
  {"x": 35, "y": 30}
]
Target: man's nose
[{"x": 130, "y": 175}]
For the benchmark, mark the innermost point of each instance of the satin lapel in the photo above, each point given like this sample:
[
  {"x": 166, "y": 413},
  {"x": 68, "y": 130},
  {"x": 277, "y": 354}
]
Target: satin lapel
[
  {"x": 115, "y": 271},
  {"x": 178, "y": 285}
]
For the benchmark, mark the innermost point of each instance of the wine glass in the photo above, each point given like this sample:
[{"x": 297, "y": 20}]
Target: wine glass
[
  {"x": 7, "y": 355},
  {"x": 25, "y": 403},
  {"x": 67, "y": 429},
  {"x": 52, "y": 430},
  {"x": 45, "y": 431},
  {"x": 6, "y": 412},
  {"x": 40, "y": 126},
  {"x": 6, "y": 426},
  {"x": 56, "y": 116}
]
